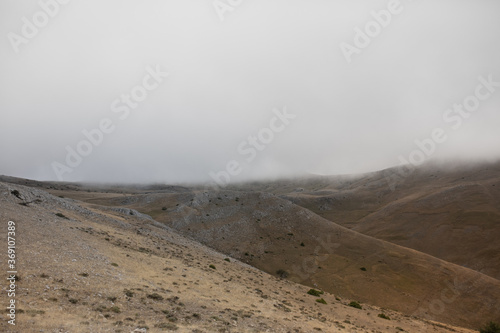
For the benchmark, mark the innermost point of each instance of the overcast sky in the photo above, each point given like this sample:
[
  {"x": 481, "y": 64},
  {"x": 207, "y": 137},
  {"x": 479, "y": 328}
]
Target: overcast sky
[{"x": 232, "y": 67}]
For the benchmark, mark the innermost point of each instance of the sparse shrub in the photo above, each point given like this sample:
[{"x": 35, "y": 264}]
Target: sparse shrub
[
  {"x": 73, "y": 301},
  {"x": 128, "y": 293},
  {"x": 490, "y": 327},
  {"x": 16, "y": 193},
  {"x": 33, "y": 313},
  {"x": 155, "y": 296},
  {"x": 115, "y": 309},
  {"x": 101, "y": 308},
  {"x": 167, "y": 326},
  {"x": 227, "y": 259},
  {"x": 282, "y": 273},
  {"x": 383, "y": 316},
  {"x": 315, "y": 292},
  {"x": 164, "y": 208},
  {"x": 355, "y": 304},
  {"x": 363, "y": 269},
  {"x": 212, "y": 267},
  {"x": 112, "y": 298},
  {"x": 44, "y": 276},
  {"x": 302, "y": 244},
  {"x": 321, "y": 300},
  {"x": 62, "y": 216},
  {"x": 114, "y": 264},
  {"x": 84, "y": 274},
  {"x": 53, "y": 299}
]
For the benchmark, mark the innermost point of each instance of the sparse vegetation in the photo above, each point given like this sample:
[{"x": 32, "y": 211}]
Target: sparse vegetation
[
  {"x": 302, "y": 244},
  {"x": 315, "y": 292},
  {"x": 227, "y": 259},
  {"x": 16, "y": 193},
  {"x": 490, "y": 327},
  {"x": 73, "y": 301},
  {"x": 114, "y": 264},
  {"x": 363, "y": 269},
  {"x": 282, "y": 273},
  {"x": 321, "y": 300},
  {"x": 115, "y": 309},
  {"x": 164, "y": 208},
  {"x": 155, "y": 296},
  {"x": 212, "y": 267},
  {"x": 128, "y": 293},
  {"x": 167, "y": 326},
  {"x": 355, "y": 304},
  {"x": 383, "y": 316},
  {"x": 62, "y": 216}
]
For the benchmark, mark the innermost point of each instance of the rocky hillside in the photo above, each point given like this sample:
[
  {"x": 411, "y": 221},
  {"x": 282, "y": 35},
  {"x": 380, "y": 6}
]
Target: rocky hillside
[{"x": 83, "y": 268}]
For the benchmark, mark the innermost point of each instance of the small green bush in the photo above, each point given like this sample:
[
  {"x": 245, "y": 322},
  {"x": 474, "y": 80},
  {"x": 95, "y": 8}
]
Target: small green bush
[
  {"x": 282, "y": 273},
  {"x": 115, "y": 309},
  {"x": 212, "y": 267},
  {"x": 62, "y": 216},
  {"x": 155, "y": 296},
  {"x": 490, "y": 327},
  {"x": 321, "y": 300},
  {"x": 355, "y": 304},
  {"x": 227, "y": 259},
  {"x": 383, "y": 316},
  {"x": 315, "y": 292}
]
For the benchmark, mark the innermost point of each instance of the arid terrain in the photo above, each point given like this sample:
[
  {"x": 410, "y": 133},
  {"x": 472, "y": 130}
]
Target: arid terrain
[{"x": 421, "y": 250}]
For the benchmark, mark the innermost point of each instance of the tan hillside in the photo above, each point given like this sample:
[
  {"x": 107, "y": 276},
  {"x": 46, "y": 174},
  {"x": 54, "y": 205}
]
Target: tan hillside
[
  {"x": 452, "y": 214},
  {"x": 114, "y": 270},
  {"x": 268, "y": 233}
]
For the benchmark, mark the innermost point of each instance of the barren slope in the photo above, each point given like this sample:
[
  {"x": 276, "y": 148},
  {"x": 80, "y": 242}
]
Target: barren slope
[
  {"x": 274, "y": 234},
  {"x": 115, "y": 270},
  {"x": 451, "y": 214}
]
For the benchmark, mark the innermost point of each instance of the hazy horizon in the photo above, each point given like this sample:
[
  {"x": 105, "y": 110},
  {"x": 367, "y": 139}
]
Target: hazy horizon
[{"x": 181, "y": 92}]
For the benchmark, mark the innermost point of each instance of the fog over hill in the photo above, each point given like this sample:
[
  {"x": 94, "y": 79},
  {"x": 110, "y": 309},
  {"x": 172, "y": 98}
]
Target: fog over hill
[{"x": 173, "y": 91}]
